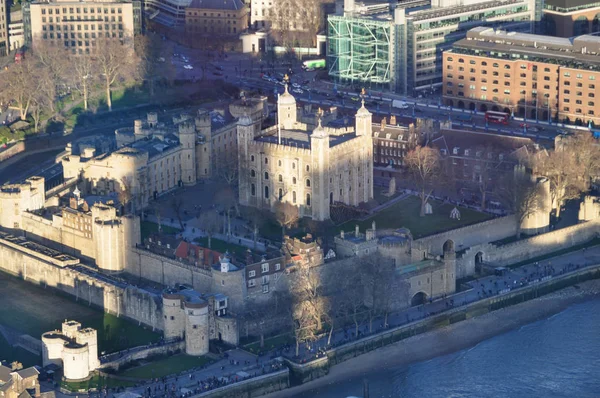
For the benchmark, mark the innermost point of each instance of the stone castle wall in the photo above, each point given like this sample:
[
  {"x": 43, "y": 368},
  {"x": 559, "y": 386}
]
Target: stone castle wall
[
  {"x": 471, "y": 235},
  {"x": 115, "y": 298},
  {"x": 522, "y": 250}
]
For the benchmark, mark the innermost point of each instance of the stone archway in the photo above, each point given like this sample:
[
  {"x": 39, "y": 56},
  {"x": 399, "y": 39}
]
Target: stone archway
[
  {"x": 448, "y": 246},
  {"x": 472, "y": 106},
  {"x": 418, "y": 299},
  {"x": 596, "y": 24},
  {"x": 495, "y": 108},
  {"x": 450, "y": 103},
  {"x": 533, "y": 113},
  {"x": 479, "y": 262},
  {"x": 506, "y": 110},
  {"x": 581, "y": 26},
  {"x": 483, "y": 108},
  {"x": 461, "y": 105}
]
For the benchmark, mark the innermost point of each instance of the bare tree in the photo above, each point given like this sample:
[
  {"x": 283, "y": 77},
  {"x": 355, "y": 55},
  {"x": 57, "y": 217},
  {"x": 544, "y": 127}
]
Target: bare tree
[
  {"x": 115, "y": 61},
  {"x": 227, "y": 198},
  {"x": 54, "y": 63},
  {"x": 351, "y": 294},
  {"x": 83, "y": 72},
  {"x": 210, "y": 224},
  {"x": 152, "y": 66},
  {"x": 310, "y": 306},
  {"x": 378, "y": 277},
  {"x": 265, "y": 315},
  {"x": 424, "y": 167},
  {"x": 286, "y": 215},
  {"x": 20, "y": 86},
  {"x": 565, "y": 175},
  {"x": 177, "y": 206},
  {"x": 521, "y": 196},
  {"x": 587, "y": 155}
]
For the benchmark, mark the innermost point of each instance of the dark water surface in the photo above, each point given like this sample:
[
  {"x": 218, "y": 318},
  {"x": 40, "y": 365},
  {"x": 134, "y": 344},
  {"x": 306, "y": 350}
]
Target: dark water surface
[{"x": 552, "y": 358}]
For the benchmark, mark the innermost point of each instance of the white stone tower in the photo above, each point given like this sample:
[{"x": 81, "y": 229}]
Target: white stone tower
[
  {"x": 173, "y": 316},
  {"x": 187, "y": 138},
  {"x": 196, "y": 328},
  {"x": 203, "y": 144}
]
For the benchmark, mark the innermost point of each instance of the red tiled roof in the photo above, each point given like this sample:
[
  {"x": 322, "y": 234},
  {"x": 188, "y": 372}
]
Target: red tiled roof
[{"x": 209, "y": 256}]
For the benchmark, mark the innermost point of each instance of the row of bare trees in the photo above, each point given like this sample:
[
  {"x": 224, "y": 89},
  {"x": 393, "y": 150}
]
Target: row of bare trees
[
  {"x": 571, "y": 168},
  {"x": 48, "y": 73},
  {"x": 322, "y": 300}
]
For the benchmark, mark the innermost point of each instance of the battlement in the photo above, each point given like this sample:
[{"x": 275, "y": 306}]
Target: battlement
[{"x": 36, "y": 250}]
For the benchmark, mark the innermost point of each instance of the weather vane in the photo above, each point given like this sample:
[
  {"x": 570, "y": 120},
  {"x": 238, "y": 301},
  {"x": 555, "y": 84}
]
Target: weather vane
[
  {"x": 320, "y": 112},
  {"x": 286, "y": 78},
  {"x": 363, "y": 92}
]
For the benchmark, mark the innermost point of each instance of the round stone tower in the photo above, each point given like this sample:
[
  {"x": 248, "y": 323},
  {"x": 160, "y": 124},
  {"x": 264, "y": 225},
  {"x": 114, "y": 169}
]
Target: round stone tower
[
  {"x": 196, "y": 328},
  {"x": 75, "y": 361},
  {"x": 173, "y": 314},
  {"x": 187, "y": 138},
  {"x": 286, "y": 110}
]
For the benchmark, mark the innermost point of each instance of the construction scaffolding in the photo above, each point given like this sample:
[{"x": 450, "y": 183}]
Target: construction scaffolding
[{"x": 360, "y": 49}]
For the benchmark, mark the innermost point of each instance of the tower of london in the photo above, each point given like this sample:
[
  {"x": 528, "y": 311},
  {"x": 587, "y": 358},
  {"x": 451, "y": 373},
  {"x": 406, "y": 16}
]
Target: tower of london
[{"x": 308, "y": 169}]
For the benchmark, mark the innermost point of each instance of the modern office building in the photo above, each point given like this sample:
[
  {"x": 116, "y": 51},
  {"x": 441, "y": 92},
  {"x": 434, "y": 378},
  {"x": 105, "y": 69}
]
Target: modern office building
[
  {"x": 399, "y": 46},
  {"x": 567, "y": 18},
  {"x": 540, "y": 77},
  {"x": 77, "y": 25},
  {"x": 4, "y": 42},
  {"x": 168, "y": 13}
]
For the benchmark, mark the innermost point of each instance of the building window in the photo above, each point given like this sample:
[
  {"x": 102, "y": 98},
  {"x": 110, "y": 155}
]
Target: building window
[
  {"x": 308, "y": 199},
  {"x": 294, "y": 197},
  {"x": 280, "y": 178},
  {"x": 265, "y": 288},
  {"x": 266, "y": 160},
  {"x": 277, "y": 267},
  {"x": 266, "y": 175},
  {"x": 279, "y": 163},
  {"x": 264, "y": 267},
  {"x": 267, "y": 192},
  {"x": 251, "y": 283},
  {"x": 294, "y": 180},
  {"x": 252, "y": 173},
  {"x": 252, "y": 158},
  {"x": 253, "y": 190},
  {"x": 251, "y": 274},
  {"x": 308, "y": 183}
]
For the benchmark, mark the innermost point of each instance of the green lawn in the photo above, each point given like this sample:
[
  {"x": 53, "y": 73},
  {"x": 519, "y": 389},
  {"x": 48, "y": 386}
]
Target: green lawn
[
  {"x": 95, "y": 382},
  {"x": 270, "y": 343},
  {"x": 405, "y": 213},
  {"x": 34, "y": 310},
  {"x": 149, "y": 228},
  {"x": 165, "y": 366},
  {"x": 221, "y": 245}
]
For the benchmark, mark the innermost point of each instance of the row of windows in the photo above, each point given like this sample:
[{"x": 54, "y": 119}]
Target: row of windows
[
  {"x": 206, "y": 21},
  {"x": 92, "y": 10},
  {"x": 496, "y": 65},
  {"x": 58, "y": 20},
  {"x": 212, "y": 14},
  {"x": 93, "y": 27},
  {"x": 51, "y": 36},
  {"x": 578, "y": 110},
  {"x": 264, "y": 268},
  {"x": 279, "y": 194},
  {"x": 279, "y": 163},
  {"x": 212, "y": 29},
  {"x": 280, "y": 177}
]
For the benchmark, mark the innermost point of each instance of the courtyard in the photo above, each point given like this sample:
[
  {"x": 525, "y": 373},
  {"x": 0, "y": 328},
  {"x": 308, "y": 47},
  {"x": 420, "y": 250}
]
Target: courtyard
[
  {"x": 33, "y": 310},
  {"x": 405, "y": 213}
]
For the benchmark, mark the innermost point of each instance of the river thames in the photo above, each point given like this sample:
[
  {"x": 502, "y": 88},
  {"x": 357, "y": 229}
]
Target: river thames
[{"x": 552, "y": 358}]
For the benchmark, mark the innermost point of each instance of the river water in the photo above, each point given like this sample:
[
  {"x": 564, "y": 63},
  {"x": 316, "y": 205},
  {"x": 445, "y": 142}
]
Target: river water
[{"x": 551, "y": 358}]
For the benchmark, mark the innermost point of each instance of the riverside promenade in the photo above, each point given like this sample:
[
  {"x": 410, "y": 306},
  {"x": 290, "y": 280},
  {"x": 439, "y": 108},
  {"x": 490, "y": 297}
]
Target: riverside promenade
[{"x": 181, "y": 385}]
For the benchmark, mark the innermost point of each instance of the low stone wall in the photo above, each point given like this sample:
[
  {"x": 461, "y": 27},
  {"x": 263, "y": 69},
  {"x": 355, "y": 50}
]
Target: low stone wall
[
  {"x": 12, "y": 151},
  {"x": 255, "y": 387},
  {"x": 525, "y": 249},
  {"x": 471, "y": 235},
  {"x": 30, "y": 344},
  {"x": 124, "y": 357},
  {"x": 302, "y": 373}
]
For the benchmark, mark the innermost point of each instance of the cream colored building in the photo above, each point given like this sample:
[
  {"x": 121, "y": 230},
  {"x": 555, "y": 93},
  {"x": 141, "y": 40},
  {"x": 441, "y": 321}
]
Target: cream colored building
[
  {"x": 77, "y": 25},
  {"x": 309, "y": 169},
  {"x": 73, "y": 348},
  {"x": 15, "y": 199}
]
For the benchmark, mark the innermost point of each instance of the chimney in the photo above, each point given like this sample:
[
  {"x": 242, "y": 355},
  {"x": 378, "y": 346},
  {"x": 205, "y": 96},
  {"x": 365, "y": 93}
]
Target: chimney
[
  {"x": 356, "y": 231},
  {"x": 73, "y": 203},
  {"x": 393, "y": 120},
  {"x": 383, "y": 123}
]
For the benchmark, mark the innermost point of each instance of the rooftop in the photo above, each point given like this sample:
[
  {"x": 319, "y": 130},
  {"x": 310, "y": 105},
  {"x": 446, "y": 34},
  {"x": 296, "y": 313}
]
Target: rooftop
[
  {"x": 230, "y": 5},
  {"x": 301, "y": 139},
  {"x": 577, "y": 51},
  {"x": 569, "y": 4},
  {"x": 418, "y": 267},
  {"x": 152, "y": 145},
  {"x": 18, "y": 240}
]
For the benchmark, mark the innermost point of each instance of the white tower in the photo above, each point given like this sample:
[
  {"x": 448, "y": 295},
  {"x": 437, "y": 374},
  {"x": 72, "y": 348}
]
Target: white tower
[{"x": 286, "y": 110}]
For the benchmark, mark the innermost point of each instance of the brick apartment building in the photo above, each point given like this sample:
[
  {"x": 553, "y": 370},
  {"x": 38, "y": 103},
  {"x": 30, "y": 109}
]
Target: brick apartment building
[{"x": 540, "y": 77}]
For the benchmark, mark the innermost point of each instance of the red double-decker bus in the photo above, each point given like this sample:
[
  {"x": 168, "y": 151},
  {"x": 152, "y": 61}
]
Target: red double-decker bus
[{"x": 497, "y": 117}]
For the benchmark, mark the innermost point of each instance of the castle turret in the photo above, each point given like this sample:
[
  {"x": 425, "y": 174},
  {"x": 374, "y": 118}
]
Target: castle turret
[
  {"x": 187, "y": 138},
  {"x": 245, "y": 135},
  {"x": 196, "y": 328},
  {"x": 286, "y": 110},
  {"x": 364, "y": 121}
]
